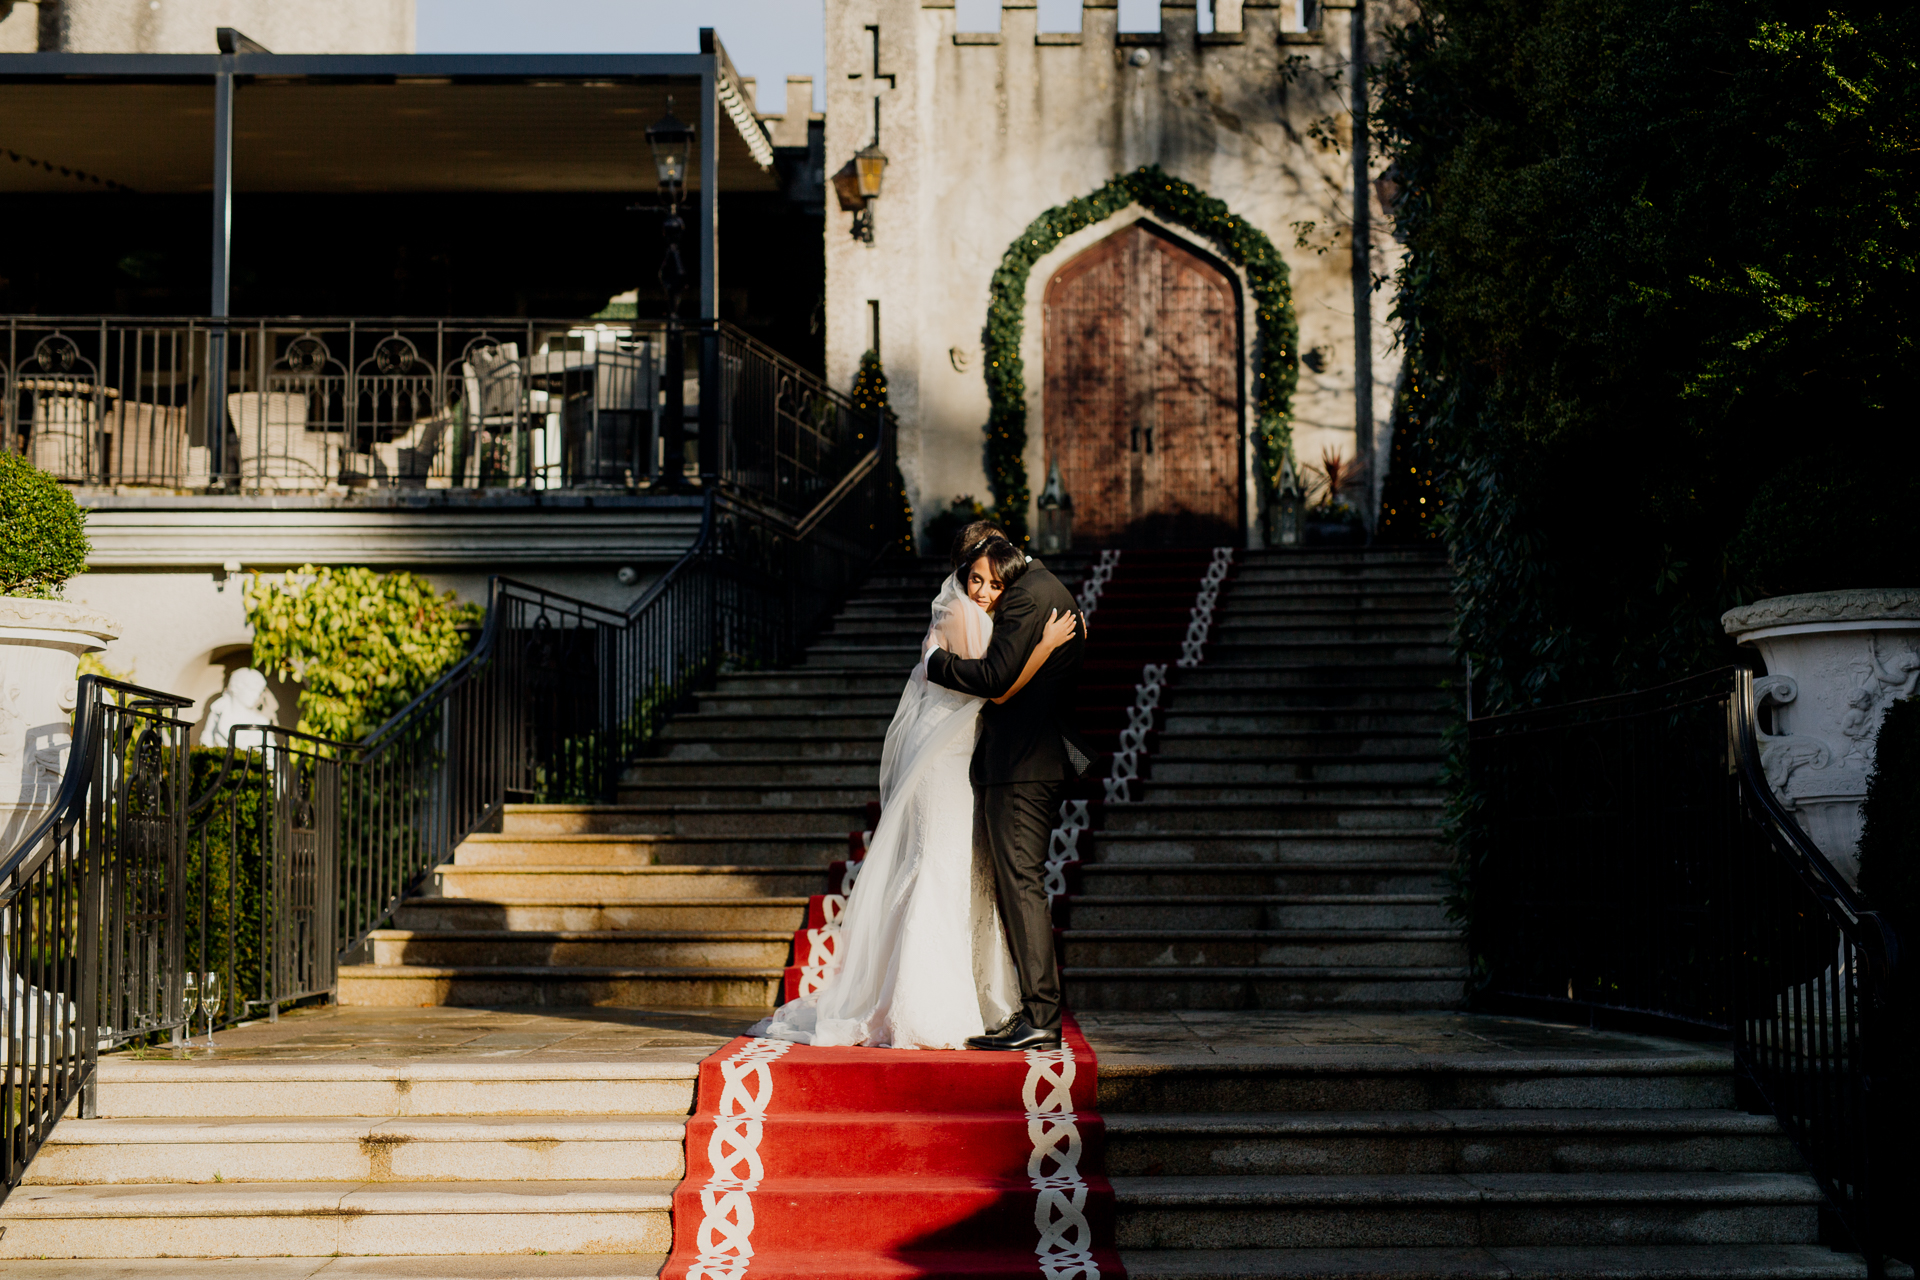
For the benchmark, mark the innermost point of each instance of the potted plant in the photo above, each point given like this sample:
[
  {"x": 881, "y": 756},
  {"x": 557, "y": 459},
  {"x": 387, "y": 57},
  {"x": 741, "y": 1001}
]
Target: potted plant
[
  {"x": 43, "y": 542},
  {"x": 1332, "y": 521}
]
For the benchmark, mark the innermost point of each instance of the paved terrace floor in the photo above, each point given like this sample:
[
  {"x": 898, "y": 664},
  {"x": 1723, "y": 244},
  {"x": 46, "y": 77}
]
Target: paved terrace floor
[{"x": 1130, "y": 1039}]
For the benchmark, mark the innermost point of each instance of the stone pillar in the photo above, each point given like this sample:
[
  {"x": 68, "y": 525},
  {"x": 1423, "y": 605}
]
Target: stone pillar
[
  {"x": 40, "y": 646},
  {"x": 1835, "y": 660}
]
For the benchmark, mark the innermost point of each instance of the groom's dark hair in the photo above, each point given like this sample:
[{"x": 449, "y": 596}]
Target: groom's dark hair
[{"x": 968, "y": 542}]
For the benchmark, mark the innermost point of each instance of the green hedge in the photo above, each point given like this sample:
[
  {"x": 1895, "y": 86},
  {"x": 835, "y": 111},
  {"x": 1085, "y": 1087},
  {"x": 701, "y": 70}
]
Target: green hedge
[{"x": 43, "y": 532}]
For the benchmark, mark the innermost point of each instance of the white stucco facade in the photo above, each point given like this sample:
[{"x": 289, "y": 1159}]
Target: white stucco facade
[
  {"x": 983, "y": 134},
  {"x": 188, "y": 26}
]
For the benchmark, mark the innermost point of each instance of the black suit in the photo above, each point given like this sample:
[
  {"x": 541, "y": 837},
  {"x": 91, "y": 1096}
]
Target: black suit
[{"x": 1026, "y": 753}]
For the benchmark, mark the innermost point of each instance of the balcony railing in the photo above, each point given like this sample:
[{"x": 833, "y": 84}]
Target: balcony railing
[{"x": 315, "y": 406}]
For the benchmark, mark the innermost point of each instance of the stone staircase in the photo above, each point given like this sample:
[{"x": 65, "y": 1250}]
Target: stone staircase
[
  {"x": 1276, "y": 880},
  {"x": 418, "y": 1167},
  {"x": 1282, "y": 850}
]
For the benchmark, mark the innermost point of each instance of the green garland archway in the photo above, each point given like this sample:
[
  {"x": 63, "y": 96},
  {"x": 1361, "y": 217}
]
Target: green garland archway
[{"x": 1276, "y": 371}]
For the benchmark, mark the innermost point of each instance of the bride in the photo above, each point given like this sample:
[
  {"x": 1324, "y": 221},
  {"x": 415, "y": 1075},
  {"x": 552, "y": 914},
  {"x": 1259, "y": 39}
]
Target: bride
[{"x": 920, "y": 959}]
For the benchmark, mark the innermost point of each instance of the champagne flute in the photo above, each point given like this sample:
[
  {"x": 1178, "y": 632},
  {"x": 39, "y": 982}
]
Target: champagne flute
[
  {"x": 210, "y": 1000},
  {"x": 190, "y": 998}
]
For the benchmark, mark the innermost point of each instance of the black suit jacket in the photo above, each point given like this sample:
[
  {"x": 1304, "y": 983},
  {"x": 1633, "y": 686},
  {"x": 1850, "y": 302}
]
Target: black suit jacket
[{"x": 1029, "y": 737}]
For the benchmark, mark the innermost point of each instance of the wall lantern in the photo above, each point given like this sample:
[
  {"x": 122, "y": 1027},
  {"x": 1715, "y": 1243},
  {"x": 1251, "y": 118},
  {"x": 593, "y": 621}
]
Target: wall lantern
[
  {"x": 1286, "y": 515},
  {"x": 1056, "y": 517},
  {"x": 858, "y": 186},
  {"x": 672, "y": 142}
]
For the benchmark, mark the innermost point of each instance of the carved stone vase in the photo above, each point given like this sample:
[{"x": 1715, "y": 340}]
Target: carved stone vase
[
  {"x": 1835, "y": 661},
  {"x": 40, "y": 646}
]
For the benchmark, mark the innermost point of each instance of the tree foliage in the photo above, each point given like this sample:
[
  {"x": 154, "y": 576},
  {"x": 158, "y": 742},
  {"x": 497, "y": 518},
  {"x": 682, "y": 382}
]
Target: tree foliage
[
  {"x": 1659, "y": 299},
  {"x": 43, "y": 531},
  {"x": 362, "y": 644}
]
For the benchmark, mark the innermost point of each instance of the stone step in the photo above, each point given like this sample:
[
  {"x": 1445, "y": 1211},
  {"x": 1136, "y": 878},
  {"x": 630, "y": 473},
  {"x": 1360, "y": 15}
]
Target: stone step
[
  {"x": 1507, "y": 1262},
  {"x": 1199, "y": 714},
  {"x": 1359, "y": 705},
  {"x": 688, "y": 915},
  {"x": 749, "y": 705},
  {"x": 582, "y": 948},
  {"x": 775, "y": 794},
  {"x": 1286, "y": 847},
  {"x": 1234, "y": 628},
  {"x": 1181, "y": 740},
  {"x": 1345, "y": 1211},
  {"x": 813, "y": 680},
  {"x": 1264, "y": 650},
  {"x": 1172, "y": 948},
  {"x": 1276, "y": 810},
  {"x": 487, "y": 986},
  {"x": 1280, "y": 610},
  {"x": 1268, "y": 791},
  {"x": 1196, "y": 912},
  {"x": 1438, "y": 1142},
  {"x": 144, "y": 1149},
  {"x": 609, "y": 884},
  {"x": 1302, "y": 987},
  {"x": 316, "y": 1219},
  {"x": 758, "y": 771},
  {"x": 1273, "y": 790},
  {"x": 1176, "y": 766},
  {"x": 685, "y": 820},
  {"x": 1694, "y": 1079},
  {"x": 1367, "y": 673},
  {"x": 494, "y": 849},
  {"x": 692, "y": 746},
  {"x": 833, "y": 720},
  {"x": 562, "y": 1266},
  {"x": 1235, "y": 879},
  {"x": 897, "y": 660},
  {"x": 222, "y": 1088}
]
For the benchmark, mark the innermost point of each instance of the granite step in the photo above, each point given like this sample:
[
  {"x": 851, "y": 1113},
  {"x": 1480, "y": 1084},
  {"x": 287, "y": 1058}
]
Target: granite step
[
  {"x": 1409, "y": 769},
  {"x": 1263, "y": 846},
  {"x": 693, "y": 746},
  {"x": 1277, "y": 808},
  {"x": 1229, "y": 912},
  {"x": 248, "y": 1148},
  {"x": 1300, "y": 987},
  {"x": 1507, "y": 1262},
  {"x": 558, "y": 986},
  {"x": 688, "y": 821},
  {"x": 1170, "y": 947},
  {"x": 316, "y": 1219},
  {"x": 1231, "y": 879},
  {"x": 598, "y": 1266},
  {"x": 497, "y": 849},
  {"x": 1466, "y": 1210},
  {"x": 582, "y": 948},
  {"x": 623, "y": 884},
  {"x": 1671, "y": 1140},
  {"x": 687, "y": 915}
]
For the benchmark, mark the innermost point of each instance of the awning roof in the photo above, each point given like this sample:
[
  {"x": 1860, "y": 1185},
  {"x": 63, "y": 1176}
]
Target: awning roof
[{"x": 361, "y": 123}]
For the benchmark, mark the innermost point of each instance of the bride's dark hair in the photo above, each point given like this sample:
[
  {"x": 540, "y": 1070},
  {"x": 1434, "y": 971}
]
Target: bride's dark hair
[{"x": 1007, "y": 561}]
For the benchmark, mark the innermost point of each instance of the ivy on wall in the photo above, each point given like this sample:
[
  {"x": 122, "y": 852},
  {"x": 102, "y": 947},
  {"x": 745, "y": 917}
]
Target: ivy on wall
[
  {"x": 1276, "y": 370},
  {"x": 869, "y": 395}
]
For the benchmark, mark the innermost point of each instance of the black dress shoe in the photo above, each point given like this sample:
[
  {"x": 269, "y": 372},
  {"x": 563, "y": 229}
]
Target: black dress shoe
[{"x": 1021, "y": 1035}]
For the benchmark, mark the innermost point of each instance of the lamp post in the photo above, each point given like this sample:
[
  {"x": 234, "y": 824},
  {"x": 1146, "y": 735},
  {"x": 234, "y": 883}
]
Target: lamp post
[
  {"x": 671, "y": 140},
  {"x": 858, "y": 187}
]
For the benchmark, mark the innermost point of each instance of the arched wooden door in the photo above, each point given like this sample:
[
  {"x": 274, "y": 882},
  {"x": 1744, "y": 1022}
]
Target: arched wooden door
[{"x": 1143, "y": 392}]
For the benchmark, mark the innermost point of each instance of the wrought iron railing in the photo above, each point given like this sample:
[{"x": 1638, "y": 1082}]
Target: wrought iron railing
[
  {"x": 91, "y": 910},
  {"x": 310, "y": 405},
  {"x": 1625, "y": 858}
]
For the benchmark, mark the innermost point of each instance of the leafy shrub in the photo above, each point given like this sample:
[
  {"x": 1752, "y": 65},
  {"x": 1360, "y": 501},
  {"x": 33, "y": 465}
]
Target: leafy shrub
[
  {"x": 43, "y": 534},
  {"x": 1831, "y": 523},
  {"x": 942, "y": 529},
  {"x": 362, "y": 644}
]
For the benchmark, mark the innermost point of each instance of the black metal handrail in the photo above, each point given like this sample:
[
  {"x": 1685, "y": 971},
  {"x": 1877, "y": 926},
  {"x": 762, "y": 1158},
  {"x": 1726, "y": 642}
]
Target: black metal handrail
[
  {"x": 1624, "y": 858},
  {"x": 90, "y": 910}
]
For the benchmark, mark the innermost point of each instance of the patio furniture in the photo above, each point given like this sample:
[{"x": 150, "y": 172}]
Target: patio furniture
[
  {"x": 492, "y": 399},
  {"x": 64, "y": 429},
  {"x": 149, "y": 444},
  {"x": 277, "y": 451}
]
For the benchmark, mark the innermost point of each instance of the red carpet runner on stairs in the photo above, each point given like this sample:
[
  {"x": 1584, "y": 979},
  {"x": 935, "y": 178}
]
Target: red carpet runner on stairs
[{"x": 858, "y": 1163}]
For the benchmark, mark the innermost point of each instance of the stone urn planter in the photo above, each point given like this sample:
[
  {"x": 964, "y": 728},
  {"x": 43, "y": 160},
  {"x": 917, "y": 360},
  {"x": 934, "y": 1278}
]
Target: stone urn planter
[
  {"x": 40, "y": 646},
  {"x": 1835, "y": 660}
]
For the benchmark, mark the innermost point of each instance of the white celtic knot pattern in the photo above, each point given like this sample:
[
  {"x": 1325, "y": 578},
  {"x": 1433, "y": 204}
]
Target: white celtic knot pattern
[
  {"x": 724, "y": 1241},
  {"x": 822, "y": 944},
  {"x": 1200, "y": 620},
  {"x": 1063, "y": 847},
  {"x": 1133, "y": 739},
  {"x": 1065, "y": 1248},
  {"x": 1096, "y": 582}
]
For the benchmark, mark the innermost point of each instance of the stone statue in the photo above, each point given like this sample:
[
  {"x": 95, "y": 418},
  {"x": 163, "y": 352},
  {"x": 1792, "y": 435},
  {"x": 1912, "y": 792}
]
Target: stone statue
[{"x": 246, "y": 701}]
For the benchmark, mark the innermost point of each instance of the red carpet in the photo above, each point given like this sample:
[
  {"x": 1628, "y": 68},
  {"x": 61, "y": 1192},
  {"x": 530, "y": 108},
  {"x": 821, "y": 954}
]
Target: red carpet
[{"x": 859, "y": 1163}]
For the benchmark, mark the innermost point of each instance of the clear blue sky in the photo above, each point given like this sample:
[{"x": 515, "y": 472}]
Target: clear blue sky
[{"x": 767, "y": 39}]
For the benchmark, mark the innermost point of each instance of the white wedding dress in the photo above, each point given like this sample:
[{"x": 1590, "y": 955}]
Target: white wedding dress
[{"x": 920, "y": 959}]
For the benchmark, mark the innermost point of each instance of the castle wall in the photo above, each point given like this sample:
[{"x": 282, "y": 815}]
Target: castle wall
[
  {"x": 983, "y": 133},
  {"x": 187, "y": 26}
]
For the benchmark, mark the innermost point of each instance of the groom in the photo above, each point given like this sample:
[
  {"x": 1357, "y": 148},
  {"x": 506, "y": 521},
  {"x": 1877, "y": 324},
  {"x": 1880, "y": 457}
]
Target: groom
[{"x": 1021, "y": 764}]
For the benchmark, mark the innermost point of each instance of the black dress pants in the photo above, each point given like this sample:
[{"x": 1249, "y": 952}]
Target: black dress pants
[{"x": 1013, "y": 821}]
